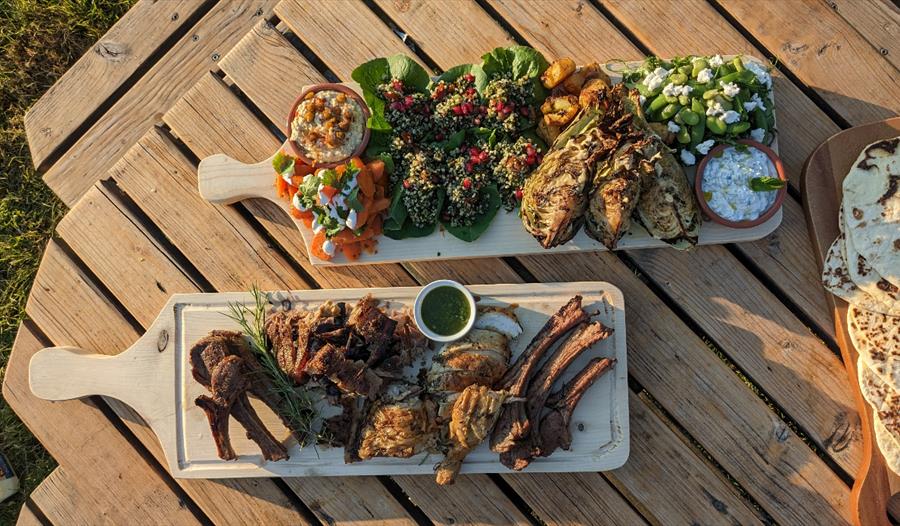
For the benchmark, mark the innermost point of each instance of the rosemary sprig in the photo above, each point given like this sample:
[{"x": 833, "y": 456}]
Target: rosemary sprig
[{"x": 297, "y": 406}]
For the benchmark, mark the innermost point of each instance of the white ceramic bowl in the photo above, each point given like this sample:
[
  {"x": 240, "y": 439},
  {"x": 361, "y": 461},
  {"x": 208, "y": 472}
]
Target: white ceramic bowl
[{"x": 417, "y": 311}]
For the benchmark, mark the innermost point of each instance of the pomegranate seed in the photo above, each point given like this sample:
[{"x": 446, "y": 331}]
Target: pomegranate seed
[
  {"x": 524, "y": 111},
  {"x": 467, "y": 183},
  {"x": 397, "y": 84},
  {"x": 518, "y": 194},
  {"x": 473, "y": 151},
  {"x": 439, "y": 136},
  {"x": 477, "y": 121},
  {"x": 469, "y": 77},
  {"x": 470, "y": 92},
  {"x": 529, "y": 149},
  {"x": 468, "y": 166},
  {"x": 457, "y": 110},
  {"x": 408, "y": 100},
  {"x": 406, "y": 184}
]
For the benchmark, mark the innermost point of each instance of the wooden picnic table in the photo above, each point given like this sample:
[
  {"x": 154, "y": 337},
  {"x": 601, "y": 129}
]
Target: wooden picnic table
[{"x": 741, "y": 411}]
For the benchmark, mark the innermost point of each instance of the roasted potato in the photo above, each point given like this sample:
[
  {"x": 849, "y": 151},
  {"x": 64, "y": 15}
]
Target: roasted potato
[
  {"x": 548, "y": 132},
  {"x": 559, "y": 111},
  {"x": 590, "y": 91},
  {"x": 557, "y": 72}
]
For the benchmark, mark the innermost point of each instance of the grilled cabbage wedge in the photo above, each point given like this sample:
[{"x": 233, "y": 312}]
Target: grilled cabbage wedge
[{"x": 555, "y": 195}]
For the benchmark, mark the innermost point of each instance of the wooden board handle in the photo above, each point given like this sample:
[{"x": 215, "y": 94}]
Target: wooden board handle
[
  {"x": 66, "y": 373},
  {"x": 223, "y": 180}
]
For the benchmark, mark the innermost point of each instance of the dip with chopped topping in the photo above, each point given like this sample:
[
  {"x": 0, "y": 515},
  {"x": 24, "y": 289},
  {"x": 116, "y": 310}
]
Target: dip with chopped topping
[
  {"x": 328, "y": 126},
  {"x": 738, "y": 183}
]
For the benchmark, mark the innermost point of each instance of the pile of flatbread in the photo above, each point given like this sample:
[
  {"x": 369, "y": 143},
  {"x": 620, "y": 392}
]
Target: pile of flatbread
[{"x": 863, "y": 267}]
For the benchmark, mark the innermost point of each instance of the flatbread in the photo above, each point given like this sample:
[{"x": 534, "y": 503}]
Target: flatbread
[
  {"x": 877, "y": 338},
  {"x": 865, "y": 277},
  {"x": 889, "y": 444},
  {"x": 836, "y": 278},
  {"x": 871, "y": 205},
  {"x": 884, "y": 399}
]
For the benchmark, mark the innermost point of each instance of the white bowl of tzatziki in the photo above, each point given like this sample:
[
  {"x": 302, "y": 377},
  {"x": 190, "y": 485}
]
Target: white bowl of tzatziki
[{"x": 740, "y": 185}]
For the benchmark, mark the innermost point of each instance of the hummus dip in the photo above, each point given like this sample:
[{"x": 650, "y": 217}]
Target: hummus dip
[{"x": 328, "y": 126}]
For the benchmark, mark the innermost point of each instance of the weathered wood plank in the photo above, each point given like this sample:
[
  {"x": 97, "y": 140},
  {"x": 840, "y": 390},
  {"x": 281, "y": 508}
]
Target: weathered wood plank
[
  {"x": 124, "y": 255},
  {"x": 693, "y": 385},
  {"x": 117, "y": 56},
  {"x": 69, "y": 310},
  {"x": 65, "y": 499},
  {"x": 829, "y": 56},
  {"x": 786, "y": 255},
  {"x": 28, "y": 517},
  {"x": 454, "y": 43},
  {"x": 264, "y": 49},
  {"x": 450, "y": 505},
  {"x": 90, "y": 445},
  {"x": 120, "y": 127},
  {"x": 878, "y": 21},
  {"x": 157, "y": 176}
]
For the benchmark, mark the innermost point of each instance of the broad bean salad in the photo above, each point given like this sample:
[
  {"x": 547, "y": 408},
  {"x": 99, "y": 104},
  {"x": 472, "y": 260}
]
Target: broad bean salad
[{"x": 696, "y": 102}]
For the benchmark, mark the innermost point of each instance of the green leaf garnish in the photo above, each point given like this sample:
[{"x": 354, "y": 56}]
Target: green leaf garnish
[
  {"x": 283, "y": 164},
  {"x": 766, "y": 184},
  {"x": 353, "y": 200}
]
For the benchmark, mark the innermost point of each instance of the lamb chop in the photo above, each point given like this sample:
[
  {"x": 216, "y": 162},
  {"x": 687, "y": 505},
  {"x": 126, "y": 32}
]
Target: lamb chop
[
  {"x": 554, "y": 428},
  {"x": 512, "y": 424},
  {"x": 219, "y": 364},
  {"x": 585, "y": 335}
]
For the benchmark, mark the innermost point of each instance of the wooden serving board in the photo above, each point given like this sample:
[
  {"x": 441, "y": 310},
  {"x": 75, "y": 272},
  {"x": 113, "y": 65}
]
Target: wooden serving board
[
  {"x": 821, "y": 187},
  {"x": 223, "y": 180},
  {"x": 154, "y": 377}
]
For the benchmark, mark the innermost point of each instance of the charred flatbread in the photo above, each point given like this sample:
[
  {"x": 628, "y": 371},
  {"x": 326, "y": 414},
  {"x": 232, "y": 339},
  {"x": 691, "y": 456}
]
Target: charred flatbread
[
  {"x": 877, "y": 338},
  {"x": 871, "y": 204},
  {"x": 883, "y": 398},
  {"x": 836, "y": 278},
  {"x": 889, "y": 444}
]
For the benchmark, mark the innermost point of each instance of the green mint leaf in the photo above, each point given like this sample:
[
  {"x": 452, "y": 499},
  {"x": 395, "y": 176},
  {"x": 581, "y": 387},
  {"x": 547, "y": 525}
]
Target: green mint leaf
[{"x": 766, "y": 184}]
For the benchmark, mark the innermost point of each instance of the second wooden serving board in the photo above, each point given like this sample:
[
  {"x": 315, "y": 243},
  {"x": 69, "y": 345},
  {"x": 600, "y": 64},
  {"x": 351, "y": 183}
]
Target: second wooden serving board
[
  {"x": 154, "y": 377},
  {"x": 223, "y": 180}
]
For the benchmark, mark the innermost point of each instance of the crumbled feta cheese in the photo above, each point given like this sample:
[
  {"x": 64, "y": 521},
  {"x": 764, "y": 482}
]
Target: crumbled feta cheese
[
  {"x": 716, "y": 61},
  {"x": 656, "y": 78},
  {"x": 642, "y": 99},
  {"x": 328, "y": 247},
  {"x": 316, "y": 227},
  {"x": 731, "y": 117},
  {"x": 671, "y": 90},
  {"x": 673, "y": 127},
  {"x": 762, "y": 74},
  {"x": 703, "y": 147},
  {"x": 715, "y": 110},
  {"x": 754, "y": 102},
  {"x": 298, "y": 204},
  {"x": 758, "y": 134},
  {"x": 352, "y": 220},
  {"x": 705, "y": 75},
  {"x": 687, "y": 158},
  {"x": 288, "y": 177},
  {"x": 730, "y": 89}
]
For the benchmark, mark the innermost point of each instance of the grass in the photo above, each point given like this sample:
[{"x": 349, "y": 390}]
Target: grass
[{"x": 39, "y": 41}]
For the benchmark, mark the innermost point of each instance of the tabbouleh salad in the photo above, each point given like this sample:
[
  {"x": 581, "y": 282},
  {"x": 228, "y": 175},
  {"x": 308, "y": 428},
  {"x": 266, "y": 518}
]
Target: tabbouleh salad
[{"x": 460, "y": 146}]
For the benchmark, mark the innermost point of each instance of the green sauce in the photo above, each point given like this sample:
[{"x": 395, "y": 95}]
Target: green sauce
[{"x": 445, "y": 310}]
